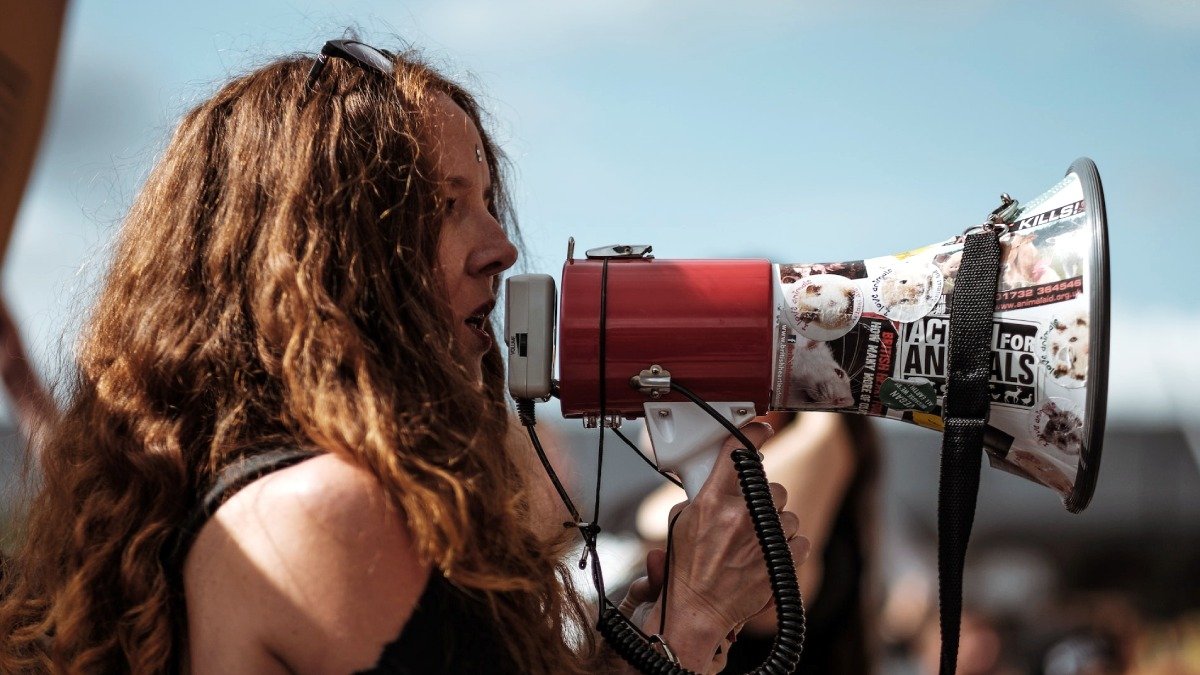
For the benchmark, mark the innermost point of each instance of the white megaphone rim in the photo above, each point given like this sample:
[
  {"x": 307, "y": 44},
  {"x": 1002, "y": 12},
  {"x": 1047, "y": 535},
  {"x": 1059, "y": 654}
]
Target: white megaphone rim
[{"x": 1088, "y": 469}]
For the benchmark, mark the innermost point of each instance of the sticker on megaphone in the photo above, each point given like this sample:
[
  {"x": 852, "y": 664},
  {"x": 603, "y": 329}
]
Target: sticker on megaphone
[{"x": 822, "y": 306}]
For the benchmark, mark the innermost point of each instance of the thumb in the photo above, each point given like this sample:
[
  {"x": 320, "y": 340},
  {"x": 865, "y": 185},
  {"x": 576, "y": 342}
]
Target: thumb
[
  {"x": 647, "y": 588},
  {"x": 656, "y": 569}
]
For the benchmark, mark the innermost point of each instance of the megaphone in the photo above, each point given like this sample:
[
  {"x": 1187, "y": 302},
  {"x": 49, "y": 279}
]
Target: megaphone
[{"x": 862, "y": 336}]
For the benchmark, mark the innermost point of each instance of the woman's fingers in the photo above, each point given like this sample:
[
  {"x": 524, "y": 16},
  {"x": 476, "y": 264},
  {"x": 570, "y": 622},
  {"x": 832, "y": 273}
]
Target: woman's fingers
[
  {"x": 779, "y": 495},
  {"x": 641, "y": 591},
  {"x": 723, "y": 479},
  {"x": 791, "y": 524},
  {"x": 755, "y": 432},
  {"x": 675, "y": 511},
  {"x": 644, "y": 591},
  {"x": 656, "y": 567},
  {"x": 800, "y": 546}
]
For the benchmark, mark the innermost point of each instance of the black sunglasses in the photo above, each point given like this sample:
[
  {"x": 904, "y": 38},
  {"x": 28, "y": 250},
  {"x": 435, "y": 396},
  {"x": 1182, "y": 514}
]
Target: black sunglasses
[{"x": 360, "y": 54}]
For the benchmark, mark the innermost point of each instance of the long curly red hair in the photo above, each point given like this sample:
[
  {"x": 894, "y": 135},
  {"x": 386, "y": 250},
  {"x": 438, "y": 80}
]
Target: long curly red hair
[{"x": 275, "y": 284}]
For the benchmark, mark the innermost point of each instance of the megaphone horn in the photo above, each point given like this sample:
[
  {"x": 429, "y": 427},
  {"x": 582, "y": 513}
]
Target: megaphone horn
[{"x": 862, "y": 336}]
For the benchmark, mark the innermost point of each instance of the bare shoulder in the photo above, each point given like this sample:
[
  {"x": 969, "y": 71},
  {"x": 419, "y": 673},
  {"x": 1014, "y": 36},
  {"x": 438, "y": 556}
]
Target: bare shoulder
[{"x": 305, "y": 559}]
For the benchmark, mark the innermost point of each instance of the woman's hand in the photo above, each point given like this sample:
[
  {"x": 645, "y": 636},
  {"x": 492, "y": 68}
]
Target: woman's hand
[{"x": 718, "y": 580}]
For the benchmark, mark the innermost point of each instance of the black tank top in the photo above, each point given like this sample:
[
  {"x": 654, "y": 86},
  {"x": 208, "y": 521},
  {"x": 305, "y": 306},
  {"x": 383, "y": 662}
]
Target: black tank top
[{"x": 449, "y": 631}]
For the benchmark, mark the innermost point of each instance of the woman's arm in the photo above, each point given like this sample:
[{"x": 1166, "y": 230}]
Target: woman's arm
[
  {"x": 308, "y": 570},
  {"x": 34, "y": 408},
  {"x": 814, "y": 459}
]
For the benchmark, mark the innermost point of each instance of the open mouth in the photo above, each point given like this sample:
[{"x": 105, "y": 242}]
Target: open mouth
[
  {"x": 477, "y": 323},
  {"x": 479, "y": 318}
]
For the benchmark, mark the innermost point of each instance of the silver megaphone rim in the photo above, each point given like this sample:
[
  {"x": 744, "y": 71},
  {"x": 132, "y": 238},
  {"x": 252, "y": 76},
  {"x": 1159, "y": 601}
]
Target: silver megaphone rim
[{"x": 1098, "y": 293}]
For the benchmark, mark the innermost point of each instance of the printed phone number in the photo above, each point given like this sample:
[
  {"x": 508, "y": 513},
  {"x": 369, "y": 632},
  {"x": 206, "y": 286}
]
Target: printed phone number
[{"x": 1068, "y": 286}]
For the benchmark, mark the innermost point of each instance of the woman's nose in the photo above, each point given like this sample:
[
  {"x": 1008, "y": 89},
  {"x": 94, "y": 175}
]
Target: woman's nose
[{"x": 494, "y": 254}]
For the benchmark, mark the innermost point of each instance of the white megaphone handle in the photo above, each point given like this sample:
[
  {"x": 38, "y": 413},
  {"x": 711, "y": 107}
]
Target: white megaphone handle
[{"x": 687, "y": 441}]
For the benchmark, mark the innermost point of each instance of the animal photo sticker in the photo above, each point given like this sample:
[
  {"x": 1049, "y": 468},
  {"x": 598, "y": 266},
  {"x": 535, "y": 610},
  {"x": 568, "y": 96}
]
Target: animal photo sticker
[
  {"x": 1058, "y": 428},
  {"x": 845, "y": 373},
  {"x": 823, "y": 307},
  {"x": 908, "y": 291},
  {"x": 1069, "y": 244},
  {"x": 815, "y": 379},
  {"x": 1065, "y": 346},
  {"x": 1022, "y": 263}
]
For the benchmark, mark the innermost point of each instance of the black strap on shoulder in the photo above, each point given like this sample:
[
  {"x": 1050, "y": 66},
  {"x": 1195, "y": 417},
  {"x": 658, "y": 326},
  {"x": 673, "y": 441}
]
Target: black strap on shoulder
[
  {"x": 965, "y": 413},
  {"x": 228, "y": 482}
]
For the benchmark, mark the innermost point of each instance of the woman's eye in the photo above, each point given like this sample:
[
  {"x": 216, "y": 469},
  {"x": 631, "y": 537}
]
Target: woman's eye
[{"x": 450, "y": 204}]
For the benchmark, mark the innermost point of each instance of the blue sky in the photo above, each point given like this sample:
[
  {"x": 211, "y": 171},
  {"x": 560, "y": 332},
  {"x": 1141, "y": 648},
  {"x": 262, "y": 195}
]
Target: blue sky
[{"x": 799, "y": 131}]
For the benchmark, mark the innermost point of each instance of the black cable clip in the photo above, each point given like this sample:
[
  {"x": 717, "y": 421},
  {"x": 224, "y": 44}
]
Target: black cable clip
[{"x": 590, "y": 533}]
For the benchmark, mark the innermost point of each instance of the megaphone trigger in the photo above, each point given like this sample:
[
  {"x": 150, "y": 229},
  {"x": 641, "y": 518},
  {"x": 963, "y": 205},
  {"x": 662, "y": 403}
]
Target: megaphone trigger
[{"x": 687, "y": 441}]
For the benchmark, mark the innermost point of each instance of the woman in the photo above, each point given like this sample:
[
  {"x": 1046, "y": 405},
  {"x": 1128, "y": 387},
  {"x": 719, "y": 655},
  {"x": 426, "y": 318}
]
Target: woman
[{"x": 285, "y": 450}]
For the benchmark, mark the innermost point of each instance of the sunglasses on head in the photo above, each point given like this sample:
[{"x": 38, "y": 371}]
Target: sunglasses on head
[{"x": 360, "y": 54}]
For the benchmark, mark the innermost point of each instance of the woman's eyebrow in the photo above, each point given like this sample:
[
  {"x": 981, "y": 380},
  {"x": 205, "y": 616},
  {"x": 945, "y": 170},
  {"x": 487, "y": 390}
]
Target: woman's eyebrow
[
  {"x": 460, "y": 182},
  {"x": 466, "y": 184}
]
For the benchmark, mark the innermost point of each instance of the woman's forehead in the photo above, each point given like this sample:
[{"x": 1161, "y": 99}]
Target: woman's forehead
[{"x": 457, "y": 145}]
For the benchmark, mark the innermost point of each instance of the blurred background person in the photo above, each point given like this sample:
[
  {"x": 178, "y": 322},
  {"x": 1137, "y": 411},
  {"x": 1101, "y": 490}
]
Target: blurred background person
[
  {"x": 29, "y": 39},
  {"x": 29, "y": 398}
]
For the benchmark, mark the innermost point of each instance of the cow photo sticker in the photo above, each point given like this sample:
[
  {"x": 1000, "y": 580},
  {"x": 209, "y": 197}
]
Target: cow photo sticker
[
  {"x": 907, "y": 291},
  {"x": 1065, "y": 347},
  {"x": 822, "y": 307}
]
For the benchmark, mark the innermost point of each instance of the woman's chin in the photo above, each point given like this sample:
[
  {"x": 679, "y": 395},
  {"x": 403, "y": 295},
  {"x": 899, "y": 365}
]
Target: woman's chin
[{"x": 472, "y": 363}]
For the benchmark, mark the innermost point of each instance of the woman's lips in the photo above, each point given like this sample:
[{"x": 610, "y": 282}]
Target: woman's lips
[
  {"x": 477, "y": 322},
  {"x": 483, "y": 337}
]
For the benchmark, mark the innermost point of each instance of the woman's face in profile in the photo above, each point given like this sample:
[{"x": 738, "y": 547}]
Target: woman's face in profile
[{"x": 474, "y": 249}]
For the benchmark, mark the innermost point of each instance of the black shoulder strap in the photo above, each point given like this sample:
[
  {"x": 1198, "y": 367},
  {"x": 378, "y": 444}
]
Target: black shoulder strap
[
  {"x": 228, "y": 482},
  {"x": 965, "y": 413}
]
